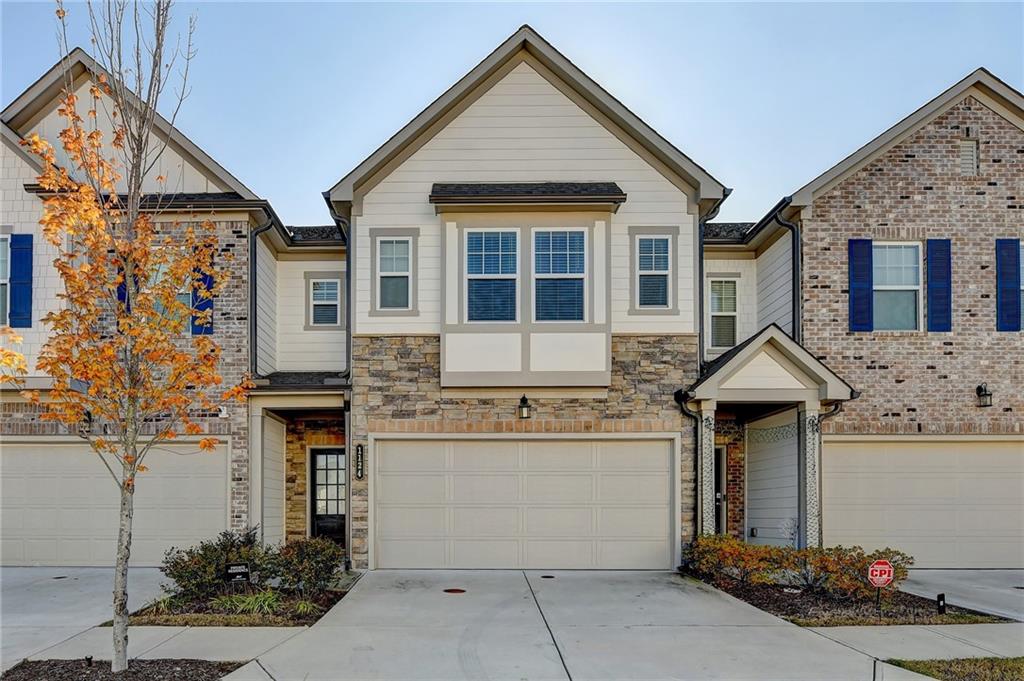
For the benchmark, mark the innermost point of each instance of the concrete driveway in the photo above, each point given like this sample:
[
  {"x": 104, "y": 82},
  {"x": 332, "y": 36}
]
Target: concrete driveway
[
  {"x": 998, "y": 592},
  {"x": 570, "y": 625},
  {"x": 40, "y": 607}
]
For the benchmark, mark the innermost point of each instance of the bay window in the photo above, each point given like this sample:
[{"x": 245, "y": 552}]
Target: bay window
[
  {"x": 559, "y": 275},
  {"x": 492, "y": 264}
]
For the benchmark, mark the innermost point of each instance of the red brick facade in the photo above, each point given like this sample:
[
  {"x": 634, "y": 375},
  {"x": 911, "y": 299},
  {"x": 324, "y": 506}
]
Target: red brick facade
[{"x": 922, "y": 382}]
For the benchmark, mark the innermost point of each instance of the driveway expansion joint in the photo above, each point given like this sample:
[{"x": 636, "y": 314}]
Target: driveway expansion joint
[{"x": 548, "y": 627}]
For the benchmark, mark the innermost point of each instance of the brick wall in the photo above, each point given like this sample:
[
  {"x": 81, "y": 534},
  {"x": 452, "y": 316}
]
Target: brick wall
[
  {"x": 396, "y": 388},
  {"x": 305, "y": 431},
  {"x": 918, "y": 381},
  {"x": 230, "y": 330},
  {"x": 731, "y": 434}
]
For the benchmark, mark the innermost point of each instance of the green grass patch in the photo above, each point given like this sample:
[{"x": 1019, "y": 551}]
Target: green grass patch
[{"x": 968, "y": 669}]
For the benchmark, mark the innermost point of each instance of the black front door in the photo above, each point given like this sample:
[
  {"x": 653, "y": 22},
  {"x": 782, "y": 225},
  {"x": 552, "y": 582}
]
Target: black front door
[
  {"x": 721, "y": 513},
  {"x": 329, "y": 490}
]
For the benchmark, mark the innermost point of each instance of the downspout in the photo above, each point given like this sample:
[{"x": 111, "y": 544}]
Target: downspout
[
  {"x": 837, "y": 409},
  {"x": 682, "y": 397},
  {"x": 795, "y": 258},
  {"x": 253, "y": 344}
]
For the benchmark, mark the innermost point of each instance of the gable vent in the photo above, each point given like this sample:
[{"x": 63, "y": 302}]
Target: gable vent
[{"x": 969, "y": 157}]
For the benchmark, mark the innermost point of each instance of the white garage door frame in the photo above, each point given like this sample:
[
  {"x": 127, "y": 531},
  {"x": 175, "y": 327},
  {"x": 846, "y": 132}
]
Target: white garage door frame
[
  {"x": 675, "y": 440},
  {"x": 225, "y": 441}
]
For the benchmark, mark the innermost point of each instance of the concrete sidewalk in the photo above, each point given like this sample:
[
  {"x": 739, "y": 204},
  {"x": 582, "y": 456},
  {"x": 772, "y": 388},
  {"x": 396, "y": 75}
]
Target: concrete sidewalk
[
  {"x": 229, "y": 644},
  {"x": 931, "y": 642},
  {"x": 993, "y": 591}
]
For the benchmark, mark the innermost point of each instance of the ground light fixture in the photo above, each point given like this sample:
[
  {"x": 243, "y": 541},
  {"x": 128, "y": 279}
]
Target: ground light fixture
[
  {"x": 984, "y": 395},
  {"x": 524, "y": 407}
]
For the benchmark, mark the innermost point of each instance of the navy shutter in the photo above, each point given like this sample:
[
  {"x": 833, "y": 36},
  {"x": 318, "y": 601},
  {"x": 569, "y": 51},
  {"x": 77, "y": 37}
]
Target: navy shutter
[
  {"x": 202, "y": 305},
  {"x": 1008, "y": 284},
  {"x": 861, "y": 284},
  {"x": 940, "y": 285},
  {"x": 20, "y": 281},
  {"x": 122, "y": 289}
]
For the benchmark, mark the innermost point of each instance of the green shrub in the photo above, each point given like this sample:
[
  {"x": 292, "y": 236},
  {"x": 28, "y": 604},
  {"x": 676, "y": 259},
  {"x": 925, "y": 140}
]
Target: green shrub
[
  {"x": 308, "y": 566},
  {"x": 198, "y": 571},
  {"x": 304, "y": 608}
]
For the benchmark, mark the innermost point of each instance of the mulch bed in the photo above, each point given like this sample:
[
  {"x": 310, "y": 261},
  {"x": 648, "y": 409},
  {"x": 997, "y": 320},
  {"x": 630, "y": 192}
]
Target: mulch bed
[
  {"x": 819, "y": 610},
  {"x": 138, "y": 670},
  {"x": 200, "y": 614},
  {"x": 970, "y": 669}
]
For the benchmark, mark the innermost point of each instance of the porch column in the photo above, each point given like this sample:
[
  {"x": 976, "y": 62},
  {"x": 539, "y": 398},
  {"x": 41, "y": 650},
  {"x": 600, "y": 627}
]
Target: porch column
[
  {"x": 809, "y": 468},
  {"x": 707, "y": 467}
]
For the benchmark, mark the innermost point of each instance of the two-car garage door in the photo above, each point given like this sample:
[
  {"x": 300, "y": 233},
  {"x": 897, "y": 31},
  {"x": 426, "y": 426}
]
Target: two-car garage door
[
  {"x": 59, "y": 505},
  {"x": 523, "y": 504},
  {"x": 950, "y": 504}
]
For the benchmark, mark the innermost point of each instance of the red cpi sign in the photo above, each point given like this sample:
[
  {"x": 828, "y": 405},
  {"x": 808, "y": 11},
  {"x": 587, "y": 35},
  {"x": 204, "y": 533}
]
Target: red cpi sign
[{"x": 880, "y": 573}]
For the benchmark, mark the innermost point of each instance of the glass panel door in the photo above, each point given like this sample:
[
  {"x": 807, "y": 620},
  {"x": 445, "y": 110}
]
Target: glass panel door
[{"x": 329, "y": 493}]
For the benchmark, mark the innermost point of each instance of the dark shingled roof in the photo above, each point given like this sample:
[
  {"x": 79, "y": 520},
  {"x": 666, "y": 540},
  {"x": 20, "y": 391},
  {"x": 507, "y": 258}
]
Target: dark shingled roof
[
  {"x": 521, "y": 192},
  {"x": 726, "y": 231},
  {"x": 304, "y": 380},
  {"x": 304, "y": 233}
]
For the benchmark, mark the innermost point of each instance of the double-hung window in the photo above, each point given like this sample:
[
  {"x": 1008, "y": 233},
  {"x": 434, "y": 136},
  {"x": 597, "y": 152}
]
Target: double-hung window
[
  {"x": 652, "y": 272},
  {"x": 896, "y": 282},
  {"x": 394, "y": 273},
  {"x": 5, "y": 278},
  {"x": 560, "y": 272},
  {"x": 325, "y": 302},
  {"x": 491, "y": 276},
  {"x": 183, "y": 297},
  {"x": 723, "y": 313}
]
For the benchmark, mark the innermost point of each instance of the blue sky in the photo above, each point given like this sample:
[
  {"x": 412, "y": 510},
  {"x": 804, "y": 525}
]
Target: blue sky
[{"x": 291, "y": 96}]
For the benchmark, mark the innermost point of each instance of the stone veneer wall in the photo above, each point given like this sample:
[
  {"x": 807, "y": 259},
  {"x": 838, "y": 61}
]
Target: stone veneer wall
[
  {"x": 396, "y": 388},
  {"x": 230, "y": 330},
  {"x": 921, "y": 382},
  {"x": 731, "y": 434},
  {"x": 304, "y": 431}
]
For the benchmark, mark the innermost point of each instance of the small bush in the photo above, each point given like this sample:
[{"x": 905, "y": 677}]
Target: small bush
[
  {"x": 305, "y": 608},
  {"x": 265, "y": 602},
  {"x": 725, "y": 554},
  {"x": 308, "y": 566},
  {"x": 198, "y": 571}
]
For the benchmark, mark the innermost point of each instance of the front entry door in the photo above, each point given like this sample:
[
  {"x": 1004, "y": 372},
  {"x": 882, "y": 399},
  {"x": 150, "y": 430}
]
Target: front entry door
[
  {"x": 721, "y": 475},
  {"x": 329, "y": 492}
]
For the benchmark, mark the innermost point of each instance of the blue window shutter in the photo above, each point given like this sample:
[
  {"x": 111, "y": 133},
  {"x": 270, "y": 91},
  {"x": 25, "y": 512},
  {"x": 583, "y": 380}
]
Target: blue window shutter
[
  {"x": 861, "y": 282},
  {"x": 1008, "y": 284},
  {"x": 202, "y": 305},
  {"x": 20, "y": 311},
  {"x": 940, "y": 285},
  {"x": 122, "y": 289}
]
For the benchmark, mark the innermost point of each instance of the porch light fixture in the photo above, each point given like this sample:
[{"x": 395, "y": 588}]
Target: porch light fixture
[
  {"x": 984, "y": 395},
  {"x": 524, "y": 407}
]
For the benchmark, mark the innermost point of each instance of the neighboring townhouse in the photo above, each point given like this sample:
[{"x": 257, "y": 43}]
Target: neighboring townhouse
[
  {"x": 526, "y": 310},
  {"x": 58, "y": 504},
  {"x": 910, "y": 287}
]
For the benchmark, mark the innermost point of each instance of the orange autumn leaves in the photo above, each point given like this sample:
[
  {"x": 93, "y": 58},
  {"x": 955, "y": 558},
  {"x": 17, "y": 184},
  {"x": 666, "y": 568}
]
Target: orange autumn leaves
[{"x": 120, "y": 352}]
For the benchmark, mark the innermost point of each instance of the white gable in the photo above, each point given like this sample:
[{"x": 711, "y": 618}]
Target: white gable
[
  {"x": 765, "y": 371},
  {"x": 183, "y": 173}
]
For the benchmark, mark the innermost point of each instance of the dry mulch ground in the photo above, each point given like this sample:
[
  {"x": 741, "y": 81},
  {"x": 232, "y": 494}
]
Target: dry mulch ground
[
  {"x": 969, "y": 669},
  {"x": 138, "y": 670},
  {"x": 201, "y": 614},
  {"x": 819, "y": 610}
]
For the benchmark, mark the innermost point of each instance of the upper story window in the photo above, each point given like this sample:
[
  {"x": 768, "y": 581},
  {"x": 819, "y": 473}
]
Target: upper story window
[
  {"x": 183, "y": 297},
  {"x": 492, "y": 265},
  {"x": 723, "y": 313},
  {"x": 325, "y": 302},
  {"x": 5, "y": 274},
  {"x": 394, "y": 273},
  {"x": 560, "y": 274},
  {"x": 653, "y": 271},
  {"x": 896, "y": 277}
]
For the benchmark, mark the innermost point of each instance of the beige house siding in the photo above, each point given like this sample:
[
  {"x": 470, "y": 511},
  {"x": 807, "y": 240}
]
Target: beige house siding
[
  {"x": 775, "y": 285},
  {"x": 301, "y": 349},
  {"x": 523, "y": 129},
  {"x": 266, "y": 309},
  {"x": 746, "y": 296},
  {"x": 919, "y": 381}
]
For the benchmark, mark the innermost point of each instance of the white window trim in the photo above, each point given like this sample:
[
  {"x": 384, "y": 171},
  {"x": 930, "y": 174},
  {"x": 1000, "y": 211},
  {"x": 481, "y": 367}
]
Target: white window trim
[
  {"x": 585, "y": 276},
  {"x": 902, "y": 287},
  {"x": 712, "y": 314},
  {"x": 467, "y": 276},
  {"x": 666, "y": 272},
  {"x": 407, "y": 274},
  {"x": 313, "y": 303},
  {"x": 6, "y": 239}
]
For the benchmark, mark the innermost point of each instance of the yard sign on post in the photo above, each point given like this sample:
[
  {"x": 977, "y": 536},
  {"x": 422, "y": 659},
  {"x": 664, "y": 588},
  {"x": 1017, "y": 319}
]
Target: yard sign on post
[{"x": 880, "y": 573}]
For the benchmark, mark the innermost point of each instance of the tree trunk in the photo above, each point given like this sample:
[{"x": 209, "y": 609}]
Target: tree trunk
[{"x": 119, "y": 662}]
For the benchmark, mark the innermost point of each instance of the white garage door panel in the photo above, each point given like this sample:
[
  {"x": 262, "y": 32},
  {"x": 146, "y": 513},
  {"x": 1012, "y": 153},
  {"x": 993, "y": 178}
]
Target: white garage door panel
[
  {"x": 60, "y": 506},
  {"x": 948, "y": 504},
  {"x": 531, "y": 503}
]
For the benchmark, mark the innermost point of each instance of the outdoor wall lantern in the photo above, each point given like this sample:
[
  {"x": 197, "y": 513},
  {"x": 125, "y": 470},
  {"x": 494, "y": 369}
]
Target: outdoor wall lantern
[
  {"x": 984, "y": 395},
  {"x": 524, "y": 407}
]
